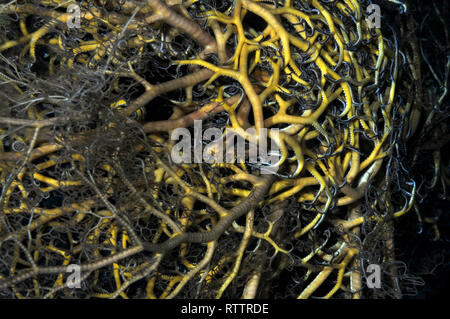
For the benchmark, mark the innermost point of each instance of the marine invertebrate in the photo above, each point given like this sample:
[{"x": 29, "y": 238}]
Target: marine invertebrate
[{"x": 91, "y": 184}]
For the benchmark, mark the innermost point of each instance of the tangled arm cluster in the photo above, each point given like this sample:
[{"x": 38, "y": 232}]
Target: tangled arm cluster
[{"x": 88, "y": 107}]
